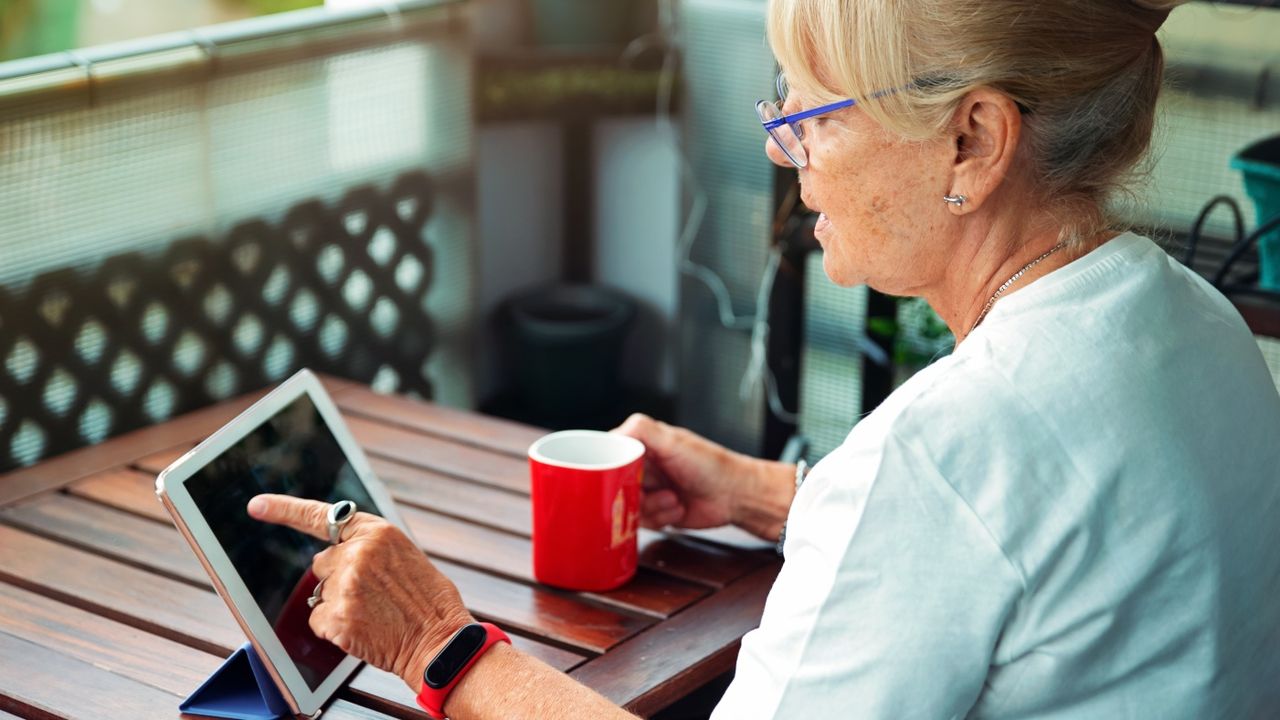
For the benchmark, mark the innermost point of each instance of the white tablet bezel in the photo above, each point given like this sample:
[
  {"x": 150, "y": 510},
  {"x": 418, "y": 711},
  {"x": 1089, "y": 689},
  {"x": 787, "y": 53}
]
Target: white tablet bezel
[{"x": 171, "y": 488}]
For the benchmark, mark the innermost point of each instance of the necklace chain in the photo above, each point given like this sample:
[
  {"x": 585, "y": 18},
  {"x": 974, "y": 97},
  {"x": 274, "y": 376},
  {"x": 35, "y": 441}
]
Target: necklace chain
[{"x": 1007, "y": 283}]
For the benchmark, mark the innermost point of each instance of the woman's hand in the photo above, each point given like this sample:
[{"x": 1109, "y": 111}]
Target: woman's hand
[
  {"x": 691, "y": 482},
  {"x": 383, "y": 600}
]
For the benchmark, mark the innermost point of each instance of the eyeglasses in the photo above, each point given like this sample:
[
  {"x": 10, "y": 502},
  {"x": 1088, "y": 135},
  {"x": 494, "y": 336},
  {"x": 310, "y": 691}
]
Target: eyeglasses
[{"x": 787, "y": 131}]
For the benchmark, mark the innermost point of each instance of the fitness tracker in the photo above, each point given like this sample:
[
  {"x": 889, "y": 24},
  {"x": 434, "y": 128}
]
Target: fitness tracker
[{"x": 451, "y": 664}]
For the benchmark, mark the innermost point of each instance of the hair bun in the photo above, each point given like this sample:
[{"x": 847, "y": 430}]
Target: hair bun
[
  {"x": 1159, "y": 9},
  {"x": 1160, "y": 5}
]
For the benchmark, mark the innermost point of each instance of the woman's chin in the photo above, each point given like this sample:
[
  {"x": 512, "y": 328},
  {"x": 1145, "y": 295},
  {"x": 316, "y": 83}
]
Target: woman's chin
[{"x": 834, "y": 272}]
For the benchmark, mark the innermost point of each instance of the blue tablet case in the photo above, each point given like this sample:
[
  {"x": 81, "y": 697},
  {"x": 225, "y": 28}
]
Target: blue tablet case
[{"x": 240, "y": 689}]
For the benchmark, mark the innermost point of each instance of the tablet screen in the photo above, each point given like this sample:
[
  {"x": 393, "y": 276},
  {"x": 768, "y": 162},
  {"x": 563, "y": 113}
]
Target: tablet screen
[{"x": 293, "y": 453}]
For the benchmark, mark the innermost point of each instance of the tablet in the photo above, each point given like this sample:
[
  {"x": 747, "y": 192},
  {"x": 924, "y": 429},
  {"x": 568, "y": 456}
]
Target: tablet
[{"x": 292, "y": 441}]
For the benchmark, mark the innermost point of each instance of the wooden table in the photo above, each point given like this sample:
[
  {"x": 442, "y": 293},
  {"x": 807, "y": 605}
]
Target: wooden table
[{"x": 106, "y": 613}]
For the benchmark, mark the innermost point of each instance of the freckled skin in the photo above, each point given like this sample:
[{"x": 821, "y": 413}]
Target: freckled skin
[
  {"x": 887, "y": 225},
  {"x": 882, "y": 196}
]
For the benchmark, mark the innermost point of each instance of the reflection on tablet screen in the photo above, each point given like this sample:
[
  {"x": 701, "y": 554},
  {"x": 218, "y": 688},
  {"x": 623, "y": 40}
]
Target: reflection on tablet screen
[{"x": 295, "y": 454}]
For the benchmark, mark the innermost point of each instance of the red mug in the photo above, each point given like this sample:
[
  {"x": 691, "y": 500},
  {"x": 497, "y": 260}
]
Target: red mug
[{"x": 586, "y": 508}]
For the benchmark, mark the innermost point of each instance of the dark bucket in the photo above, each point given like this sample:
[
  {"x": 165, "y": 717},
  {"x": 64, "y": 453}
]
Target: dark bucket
[{"x": 568, "y": 341}]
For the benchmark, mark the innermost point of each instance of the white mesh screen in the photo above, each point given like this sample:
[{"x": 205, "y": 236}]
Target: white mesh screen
[
  {"x": 830, "y": 362},
  {"x": 89, "y": 171},
  {"x": 727, "y": 68}
]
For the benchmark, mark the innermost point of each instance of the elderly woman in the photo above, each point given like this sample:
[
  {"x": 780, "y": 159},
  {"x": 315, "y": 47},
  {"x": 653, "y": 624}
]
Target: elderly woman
[{"x": 1073, "y": 515}]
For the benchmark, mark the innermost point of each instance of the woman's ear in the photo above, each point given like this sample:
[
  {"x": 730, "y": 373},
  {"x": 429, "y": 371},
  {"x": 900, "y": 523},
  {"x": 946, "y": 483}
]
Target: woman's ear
[{"x": 985, "y": 129}]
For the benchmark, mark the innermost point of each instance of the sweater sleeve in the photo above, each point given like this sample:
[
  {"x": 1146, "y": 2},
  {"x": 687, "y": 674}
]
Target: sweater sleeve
[{"x": 889, "y": 605}]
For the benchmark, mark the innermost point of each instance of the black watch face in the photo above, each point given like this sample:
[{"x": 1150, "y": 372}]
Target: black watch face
[{"x": 454, "y": 656}]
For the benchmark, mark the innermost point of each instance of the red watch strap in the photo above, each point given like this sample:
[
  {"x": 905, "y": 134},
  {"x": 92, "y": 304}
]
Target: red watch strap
[{"x": 432, "y": 699}]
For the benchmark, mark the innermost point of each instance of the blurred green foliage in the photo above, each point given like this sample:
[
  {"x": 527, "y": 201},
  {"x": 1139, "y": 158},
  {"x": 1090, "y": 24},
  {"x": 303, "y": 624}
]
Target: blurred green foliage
[
  {"x": 269, "y": 7},
  {"x": 916, "y": 333},
  {"x": 37, "y": 27},
  {"x": 580, "y": 86}
]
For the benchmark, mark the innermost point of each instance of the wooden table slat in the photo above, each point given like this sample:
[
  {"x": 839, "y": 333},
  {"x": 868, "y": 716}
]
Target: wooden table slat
[
  {"x": 443, "y": 456},
  {"x": 60, "y": 687},
  {"x": 337, "y": 386},
  {"x": 111, "y": 645},
  {"x": 98, "y": 529},
  {"x": 654, "y": 669},
  {"x": 346, "y": 710},
  {"x": 687, "y": 559},
  {"x": 543, "y": 614},
  {"x": 123, "y": 489},
  {"x": 691, "y": 560},
  {"x": 504, "y": 436},
  {"x": 460, "y": 498},
  {"x": 193, "y": 616},
  {"x": 555, "y": 617},
  {"x": 406, "y": 446},
  {"x": 652, "y": 592},
  {"x": 157, "y": 604},
  {"x": 188, "y": 615},
  {"x": 698, "y": 561},
  {"x": 54, "y": 685},
  {"x": 154, "y": 463},
  {"x": 444, "y": 537},
  {"x": 504, "y": 509},
  {"x": 1262, "y": 317},
  {"x": 384, "y": 692}
]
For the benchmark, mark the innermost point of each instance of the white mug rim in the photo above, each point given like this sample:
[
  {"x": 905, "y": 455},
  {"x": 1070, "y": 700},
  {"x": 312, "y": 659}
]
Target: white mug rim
[{"x": 636, "y": 449}]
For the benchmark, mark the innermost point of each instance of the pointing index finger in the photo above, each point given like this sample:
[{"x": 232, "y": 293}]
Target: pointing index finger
[{"x": 307, "y": 516}]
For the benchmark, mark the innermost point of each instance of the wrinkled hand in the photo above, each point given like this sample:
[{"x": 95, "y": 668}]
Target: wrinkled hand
[
  {"x": 383, "y": 600},
  {"x": 689, "y": 481}
]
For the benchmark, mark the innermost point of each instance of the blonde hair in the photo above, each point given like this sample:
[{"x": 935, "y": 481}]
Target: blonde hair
[{"x": 1087, "y": 72}]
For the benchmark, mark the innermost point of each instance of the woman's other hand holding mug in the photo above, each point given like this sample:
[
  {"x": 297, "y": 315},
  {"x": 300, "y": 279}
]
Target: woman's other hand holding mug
[{"x": 691, "y": 482}]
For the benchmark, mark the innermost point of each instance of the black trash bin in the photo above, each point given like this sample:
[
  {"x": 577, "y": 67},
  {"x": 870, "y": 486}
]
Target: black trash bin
[{"x": 568, "y": 351}]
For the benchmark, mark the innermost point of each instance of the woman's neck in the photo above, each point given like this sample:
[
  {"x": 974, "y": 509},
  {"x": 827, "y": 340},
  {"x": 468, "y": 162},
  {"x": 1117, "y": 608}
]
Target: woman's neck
[{"x": 996, "y": 255}]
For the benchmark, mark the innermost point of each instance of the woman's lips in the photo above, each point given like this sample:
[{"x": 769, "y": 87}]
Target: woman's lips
[{"x": 823, "y": 223}]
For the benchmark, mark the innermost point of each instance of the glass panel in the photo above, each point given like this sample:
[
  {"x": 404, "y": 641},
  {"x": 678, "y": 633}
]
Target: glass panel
[
  {"x": 38, "y": 27},
  {"x": 186, "y": 238}
]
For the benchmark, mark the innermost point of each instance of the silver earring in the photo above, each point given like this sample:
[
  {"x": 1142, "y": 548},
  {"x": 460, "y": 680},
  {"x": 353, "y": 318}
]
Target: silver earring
[{"x": 956, "y": 200}]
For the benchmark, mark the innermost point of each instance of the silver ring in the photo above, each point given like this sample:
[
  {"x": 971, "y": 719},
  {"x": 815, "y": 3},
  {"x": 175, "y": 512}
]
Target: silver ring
[
  {"x": 315, "y": 598},
  {"x": 956, "y": 200},
  {"x": 340, "y": 513}
]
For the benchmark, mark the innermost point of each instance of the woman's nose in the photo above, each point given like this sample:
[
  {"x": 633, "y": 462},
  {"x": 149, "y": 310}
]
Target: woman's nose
[{"x": 775, "y": 154}]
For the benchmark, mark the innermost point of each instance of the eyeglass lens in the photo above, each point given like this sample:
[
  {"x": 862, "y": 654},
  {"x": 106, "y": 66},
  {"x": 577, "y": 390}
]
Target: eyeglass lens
[
  {"x": 787, "y": 135},
  {"x": 784, "y": 135}
]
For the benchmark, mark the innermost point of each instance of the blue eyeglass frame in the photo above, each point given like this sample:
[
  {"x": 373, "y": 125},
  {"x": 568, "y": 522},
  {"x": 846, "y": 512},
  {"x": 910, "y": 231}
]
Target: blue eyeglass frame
[{"x": 794, "y": 119}]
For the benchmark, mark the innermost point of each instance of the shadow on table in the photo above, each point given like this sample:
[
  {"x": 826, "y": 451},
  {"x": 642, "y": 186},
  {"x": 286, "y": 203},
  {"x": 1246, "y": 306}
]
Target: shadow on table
[{"x": 698, "y": 704}]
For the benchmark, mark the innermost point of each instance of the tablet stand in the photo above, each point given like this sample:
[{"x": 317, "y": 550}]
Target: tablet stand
[{"x": 240, "y": 689}]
